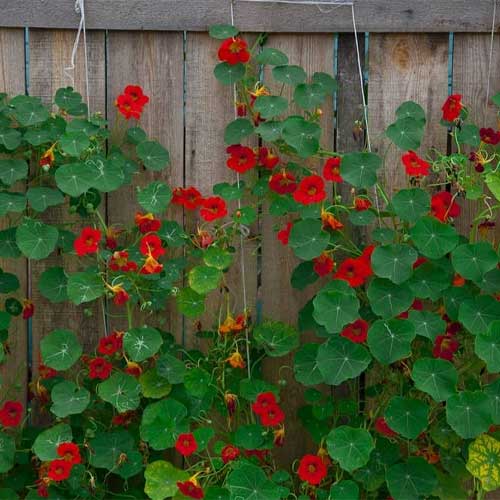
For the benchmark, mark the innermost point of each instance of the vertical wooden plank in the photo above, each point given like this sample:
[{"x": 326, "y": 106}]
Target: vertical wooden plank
[
  {"x": 50, "y": 54},
  {"x": 209, "y": 108},
  {"x": 153, "y": 60},
  {"x": 279, "y": 300},
  {"x": 14, "y": 371},
  {"x": 470, "y": 76},
  {"x": 405, "y": 67}
]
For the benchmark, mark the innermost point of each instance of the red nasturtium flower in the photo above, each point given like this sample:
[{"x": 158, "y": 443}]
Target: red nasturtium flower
[
  {"x": 241, "y": 159},
  {"x": 190, "y": 198},
  {"x": 311, "y": 189},
  {"x": 444, "y": 206},
  {"x": 356, "y": 332},
  {"x": 232, "y": 325},
  {"x": 190, "y": 488},
  {"x": 151, "y": 266},
  {"x": 264, "y": 401},
  {"x": 151, "y": 245},
  {"x": 69, "y": 452},
  {"x": 234, "y": 51},
  {"x": 458, "y": 280},
  {"x": 231, "y": 400},
  {"x": 124, "y": 419},
  {"x": 147, "y": 223},
  {"x": 131, "y": 103},
  {"x": 272, "y": 417},
  {"x": 414, "y": 165},
  {"x": 452, "y": 108},
  {"x": 331, "y": 170},
  {"x": 133, "y": 369},
  {"x": 323, "y": 264},
  {"x": 229, "y": 453},
  {"x": 312, "y": 469},
  {"x": 11, "y": 413},
  {"x": 284, "y": 234},
  {"x": 279, "y": 436},
  {"x": 28, "y": 309},
  {"x": 119, "y": 262},
  {"x": 419, "y": 262},
  {"x": 489, "y": 136},
  {"x": 59, "y": 470},
  {"x": 111, "y": 344},
  {"x": 45, "y": 372},
  {"x": 213, "y": 208},
  {"x": 383, "y": 428},
  {"x": 137, "y": 95},
  {"x": 236, "y": 360},
  {"x": 120, "y": 295},
  {"x": 48, "y": 158},
  {"x": 100, "y": 368},
  {"x": 354, "y": 271},
  {"x": 267, "y": 159},
  {"x": 186, "y": 444},
  {"x": 330, "y": 222},
  {"x": 362, "y": 204},
  {"x": 111, "y": 237},
  {"x": 282, "y": 182},
  {"x": 445, "y": 346},
  {"x": 88, "y": 241}
]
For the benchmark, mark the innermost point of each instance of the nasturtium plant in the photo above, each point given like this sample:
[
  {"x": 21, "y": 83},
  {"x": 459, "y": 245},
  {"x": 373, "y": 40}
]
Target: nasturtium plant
[{"x": 196, "y": 382}]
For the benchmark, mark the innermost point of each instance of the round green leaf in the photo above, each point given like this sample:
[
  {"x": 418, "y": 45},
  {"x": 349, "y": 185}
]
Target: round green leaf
[
  {"x": 350, "y": 447},
  {"x": 484, "y": 461},
  {"x": 60, "y": 349},
  {"x": 408, "y": 417},
  {"x": 453, "y": 298},
  {"x": 410, "y": 109},
  {"x": 74, "y": 143},
  {"x": 411, "y": 204},
  {"x": 155, "y": 197},
  {"x": 305, "y": 365},
  {"x": 290, "y": 74},
  {"x": 8, "y": 282},
  {"x": 136, "y": 135},
  {"x": 204, "y": 279},
  {"x": 29, "y": 111},
  {"x": 74, "y": 178},
  {"x": 360, "y": 169},
  {"x": 237, "y": 130},
  {"x": 270, "y": 131},
  {"x": 478, "y": 313},
  {"x": 84, "y": 287},
  {"x": 273, "y": 57},
  {"x": 428, "y": 281},
  {"x": 107, "y": 175},
  {"x": 153, "y": 155},
  {"x": 473, "y": 260},
  {"x": 52, "y": 284},
  {"x": 387, "y": 299},
  {"x": 41, "y": 198},
  {"x": 394, "y": 262},
  {"x": 68, "y": 399},
  {"x": 406, "y": 133},
  {"x": 301, "y": 135},
  {"x": 433, "y": 238},
  {"x": 309, "y": 95},
  {"x": 161, "y": 479},
  {"x": 46, "y": 443},
  {"x": 469, "y": 134},
  {"x": 270, "y": 106},
  {"x": 142, "y": 343},
  {"x": 361, "y": 218},
  {"x": 229, "y": 74},
  {"x": 11, "y": 202},
  {"x": 277, "y": 338},
  {"x": 8, "y": 245},
  {"x": 490, "y": 282},
  {"x": 190, "y": 303},
  {"x": 343, "y": 490},
  {"x": 222, "y": 32},
  {"x": 69, "y": 100},
  {"x": 336, "y": 306},
  {"x": 162, "y": 422},
  {"x": 390, "y": 340},
  {"x": 171, "y": 368},
  {"x": 10, "y": 138},
  {"x": 411, "y": 480},
  {"x": 106, "y": 448},
  {"x": 427, "y": 324},
  {"x": 122, "y": 391},
  {"x": 303, "y": 275},
  {"x": 307, "y": 239},
  {"x": 153, "y": 385},
  {"x": 437, "y": 377},
  {"x": 218, "y": 258},
  {"x": 7, "y": 452},
  {"x": 468, "y": 413},
  {"x": 12, "y": 170},
  {"x": 249, "y": 482},
  {"x": 339, "y": 360},
  {"x": 326, "y": 82},
  {"x": 487, "y": 347},
  {"x": 197, "y": 382}
]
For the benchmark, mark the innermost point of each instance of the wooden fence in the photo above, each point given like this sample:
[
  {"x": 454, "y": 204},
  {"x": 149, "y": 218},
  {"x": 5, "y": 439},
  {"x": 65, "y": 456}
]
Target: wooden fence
[{"x": 163, "y": 46}]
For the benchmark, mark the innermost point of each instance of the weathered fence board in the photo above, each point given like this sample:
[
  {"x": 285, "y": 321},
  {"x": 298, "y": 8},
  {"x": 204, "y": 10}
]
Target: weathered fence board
[
  {"x": 155, "y": 61},
  {"x": 198, "y": 15},
  {"x": 50, "y": 53},
  {"x": 470, "y": 76},
  {"x": 14, "y": 374}
]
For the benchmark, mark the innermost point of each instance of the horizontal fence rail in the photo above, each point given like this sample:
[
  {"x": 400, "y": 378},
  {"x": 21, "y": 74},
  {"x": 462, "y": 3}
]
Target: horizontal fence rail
[{"x": 197, "y": 15}]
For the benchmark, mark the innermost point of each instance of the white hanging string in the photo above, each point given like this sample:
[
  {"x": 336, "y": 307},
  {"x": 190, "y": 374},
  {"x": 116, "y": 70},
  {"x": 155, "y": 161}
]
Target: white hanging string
[
  {"x": 242, "y": 246},
  {"x": 69, "y": 71},
  {"x": 492, "y": 39}
]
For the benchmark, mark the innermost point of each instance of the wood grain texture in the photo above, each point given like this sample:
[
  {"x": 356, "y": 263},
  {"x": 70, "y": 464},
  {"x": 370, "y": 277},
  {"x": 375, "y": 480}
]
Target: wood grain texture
[
  {"x": 406, "y": 67},
  {"x": 50, "y": 53},
  {"x": 209, "y": 108},
  {"x": 155, "y": 61},
  {"x": 470, "y": 76},
  {"x": 198, "y": 15},
  {"x": 279, "y": 300},
  {"x": 14, "y": 371}
]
